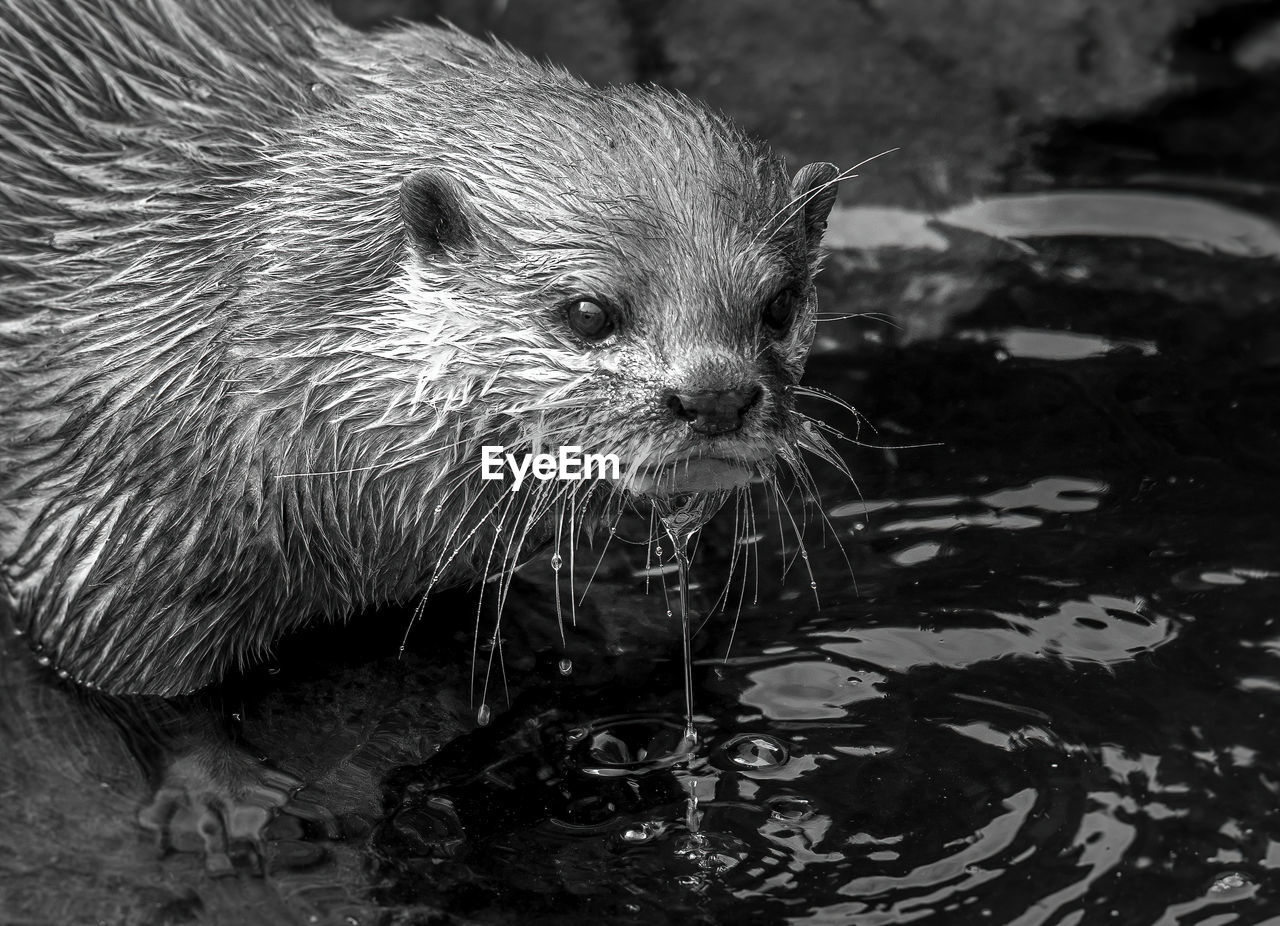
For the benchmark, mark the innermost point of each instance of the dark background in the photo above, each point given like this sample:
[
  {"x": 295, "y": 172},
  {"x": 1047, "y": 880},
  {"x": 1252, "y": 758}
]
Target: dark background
[{"x": 970, "y": 92}]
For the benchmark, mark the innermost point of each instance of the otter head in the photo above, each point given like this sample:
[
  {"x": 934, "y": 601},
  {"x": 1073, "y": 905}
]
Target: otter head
[{"x": 645, "y": 290}]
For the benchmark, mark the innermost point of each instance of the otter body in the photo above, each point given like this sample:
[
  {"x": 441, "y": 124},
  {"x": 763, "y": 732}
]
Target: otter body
[{"x": 268, "y": 285}]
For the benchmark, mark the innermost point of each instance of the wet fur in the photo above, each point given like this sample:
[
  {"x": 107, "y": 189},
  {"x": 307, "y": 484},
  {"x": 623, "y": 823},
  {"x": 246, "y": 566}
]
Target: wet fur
[{"x": 236, "y": 395}]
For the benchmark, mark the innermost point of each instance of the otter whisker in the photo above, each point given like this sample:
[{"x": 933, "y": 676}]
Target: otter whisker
[
  {"x": 816, "y": 393},
  {"x": 573, "y": 534},
  {"x": 837, "y": 433},
  {"x": 649, "y": 548},
  {"x": 497, "y": 621},
  {"x": 741, "y": 536},
  {"x": 775, "y": 504},
  {"x": 755, "y": 550},
  {"x": 858, "y": 418},
  {"x": 882, "y": 317},
  {"x": 443, "y": 564},
  {"x": 802, "y": 474},
  {"x": 600, "y": 559},
  {"x": 536, "y": 508},
  {"x": 803, "y": 553},
  {"x": 559, "y": 519},
  {"x": 809, "y": 440},
  {"x": 721, "y": 600},
  {"x": 739, "y": 517}
]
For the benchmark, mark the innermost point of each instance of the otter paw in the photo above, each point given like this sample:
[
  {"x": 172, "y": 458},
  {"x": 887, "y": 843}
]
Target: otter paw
[{"x": 219, "y": 806}]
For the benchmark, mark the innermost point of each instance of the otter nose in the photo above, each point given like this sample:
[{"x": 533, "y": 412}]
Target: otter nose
[{"x": 716, "y": 412}]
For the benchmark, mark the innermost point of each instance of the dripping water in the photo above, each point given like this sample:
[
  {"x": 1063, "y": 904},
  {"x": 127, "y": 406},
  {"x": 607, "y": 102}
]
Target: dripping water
[{"x": 682, "y": 516}]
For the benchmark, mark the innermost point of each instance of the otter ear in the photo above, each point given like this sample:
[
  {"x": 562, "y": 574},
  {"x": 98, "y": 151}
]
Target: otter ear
[
  {"x": 815, "y": 187},
  {"x": 435, "y": 213}
]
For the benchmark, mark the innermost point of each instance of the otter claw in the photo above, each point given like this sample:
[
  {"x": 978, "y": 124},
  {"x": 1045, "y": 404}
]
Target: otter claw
[
  {"x": 220, "y": 807},
  {"x": 155, "y": 817}
]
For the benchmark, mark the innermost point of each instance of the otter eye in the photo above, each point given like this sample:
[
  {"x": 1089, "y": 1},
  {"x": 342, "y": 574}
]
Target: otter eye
[
  {"x": 589, "y": 320},
  {"x": 780, "y": 312}
]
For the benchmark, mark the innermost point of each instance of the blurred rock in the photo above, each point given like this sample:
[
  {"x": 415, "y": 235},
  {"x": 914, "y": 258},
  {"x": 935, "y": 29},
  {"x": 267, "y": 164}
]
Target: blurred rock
[{"x": 843, "y": 81}]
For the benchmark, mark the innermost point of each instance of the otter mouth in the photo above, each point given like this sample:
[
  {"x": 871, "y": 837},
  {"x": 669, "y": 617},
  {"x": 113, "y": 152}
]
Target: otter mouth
[{"x": 698, "y": 474}]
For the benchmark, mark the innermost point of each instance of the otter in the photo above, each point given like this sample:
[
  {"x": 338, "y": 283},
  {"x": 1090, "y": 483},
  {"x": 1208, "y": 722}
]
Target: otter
[{"x": 268, "y": 285}]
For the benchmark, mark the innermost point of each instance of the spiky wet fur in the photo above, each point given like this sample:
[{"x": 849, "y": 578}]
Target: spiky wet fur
[{"x": 234, "y": 398}]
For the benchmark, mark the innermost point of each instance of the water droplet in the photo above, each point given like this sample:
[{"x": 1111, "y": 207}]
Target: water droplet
[
  {"x": 755, "y": 751},
  {"x": 565, "y": 666},
  {"x": 657, "y": 551},
  {"x": 483, "y": 715},
  {"x": 1233, "y": 882},
  {"x": 613, "y": 530},
  {"x": 64, "y": 674},
  {"x": 671, "y": 613},
  {"x": 439, "y": 508},
  {"x": 43, "y": 660},
  {"x": 790, "y": 809},
  {"x": 556, "y": 561},
  {"x": 641, "y": 832},
  {"x": 813, "y": 585}
]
